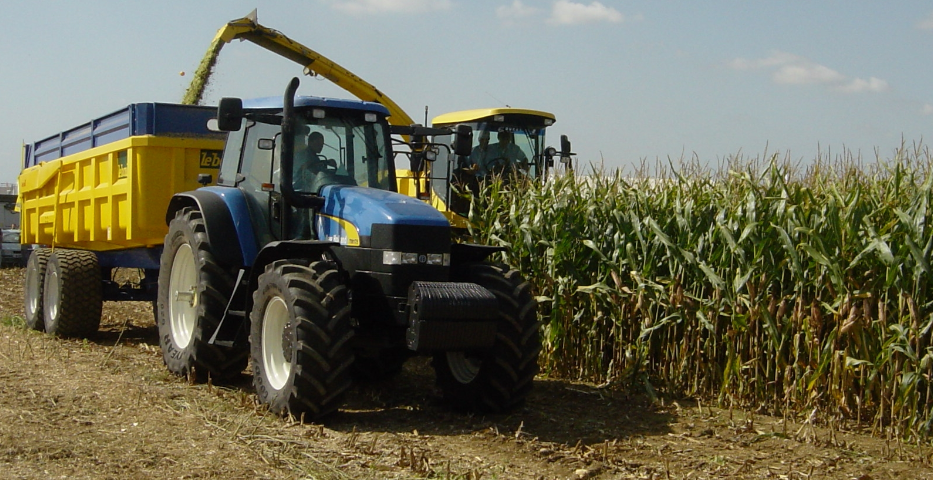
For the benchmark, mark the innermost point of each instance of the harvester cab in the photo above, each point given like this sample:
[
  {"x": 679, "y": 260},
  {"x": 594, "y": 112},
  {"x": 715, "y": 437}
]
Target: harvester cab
[
  {"x": 506, "y": 142},
  {"x": 305, "y": 259}
]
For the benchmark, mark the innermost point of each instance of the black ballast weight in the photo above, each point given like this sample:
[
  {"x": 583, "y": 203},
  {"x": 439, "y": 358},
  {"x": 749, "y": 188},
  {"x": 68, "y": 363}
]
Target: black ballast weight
[{"x": 450, "y": 316}]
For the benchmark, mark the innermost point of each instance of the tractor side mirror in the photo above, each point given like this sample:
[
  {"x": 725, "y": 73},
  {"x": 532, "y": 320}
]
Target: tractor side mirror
[
  {"x": 229, "y": 114},
  {"x": 463, "y": 140}
]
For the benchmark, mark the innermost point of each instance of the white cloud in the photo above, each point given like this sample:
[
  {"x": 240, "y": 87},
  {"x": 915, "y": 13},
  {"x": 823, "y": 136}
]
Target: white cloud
[
  {"x": 927, "y": 109},
  {"x": 926, "y": 23},
  {"x": 776, "y": 58},
  {"x": 514, "y": 13},
  {"x": 566, "y": 12},
  {"x": 790, "y": 69},
  {"x": 858, "y": 85},
  {"x": 807, "y": 73},
  {"x": 363, "y": 7}
]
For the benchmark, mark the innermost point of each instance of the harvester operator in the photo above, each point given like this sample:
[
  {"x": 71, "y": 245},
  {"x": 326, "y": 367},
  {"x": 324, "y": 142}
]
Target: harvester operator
[{"x": 497, "y": 157}]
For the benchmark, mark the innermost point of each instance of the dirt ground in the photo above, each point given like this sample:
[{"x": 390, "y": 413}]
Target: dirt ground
[{"x": 107, "y": 408}]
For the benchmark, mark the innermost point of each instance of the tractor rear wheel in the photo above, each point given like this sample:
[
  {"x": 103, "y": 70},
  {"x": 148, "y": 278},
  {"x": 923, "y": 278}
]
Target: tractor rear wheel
[
  {"x": 193, "y": 293},
  {"x": 35, "y": 284},
  {"x": 299, "y": 333},
  {"x": 71, "y": 293},
  {"x": 498, "y": 378}
]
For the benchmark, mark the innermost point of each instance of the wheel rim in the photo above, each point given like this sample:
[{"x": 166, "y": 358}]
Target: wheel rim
[
  {"x": 183, "y": 300},
  {"x": 32, "y": 290},
  {"x": 463, "y": 367},
  {"x": 52, "y": 294},
  {"x": 276, "y": 348}
]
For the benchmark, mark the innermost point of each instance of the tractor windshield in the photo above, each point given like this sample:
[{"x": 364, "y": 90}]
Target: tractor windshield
[{"x": 340, "y": 148}]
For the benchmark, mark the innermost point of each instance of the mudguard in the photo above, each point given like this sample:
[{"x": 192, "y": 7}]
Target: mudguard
[
  {"x": 227, "y": 220},
  {"x": 232, "y": 328}
]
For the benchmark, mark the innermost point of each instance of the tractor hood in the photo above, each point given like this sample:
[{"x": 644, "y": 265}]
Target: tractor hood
[{"x": 350, "y": 214}]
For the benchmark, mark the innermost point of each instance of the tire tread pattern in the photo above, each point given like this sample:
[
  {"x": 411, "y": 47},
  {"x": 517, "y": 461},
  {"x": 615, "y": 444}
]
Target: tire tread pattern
[
  {"x": 199, "y": 360},
  {"x": 80, "y": 296},
  {"x": 319, "y": 309},
  {"x": 35, "y": 283},
  {"x": 508, "y": 368}
]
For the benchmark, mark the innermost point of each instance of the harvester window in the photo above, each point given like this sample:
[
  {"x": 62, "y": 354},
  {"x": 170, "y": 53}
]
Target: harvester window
[{"x": 505, "y": 148}]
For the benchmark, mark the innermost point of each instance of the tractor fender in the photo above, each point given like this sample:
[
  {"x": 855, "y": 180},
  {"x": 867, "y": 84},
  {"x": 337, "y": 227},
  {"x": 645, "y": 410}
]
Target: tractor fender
[
  {"x": 233, "y": 241},
  {"x": 234, "y": 326},
  {"x": 272, "y": 251}
]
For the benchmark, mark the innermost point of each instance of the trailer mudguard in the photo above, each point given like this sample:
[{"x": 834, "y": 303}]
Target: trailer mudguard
[{"x": 227, "y": 221}]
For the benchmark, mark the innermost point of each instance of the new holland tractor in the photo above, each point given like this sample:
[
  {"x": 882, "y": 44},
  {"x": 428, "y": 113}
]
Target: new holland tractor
[{"x": 304, "y": 259}]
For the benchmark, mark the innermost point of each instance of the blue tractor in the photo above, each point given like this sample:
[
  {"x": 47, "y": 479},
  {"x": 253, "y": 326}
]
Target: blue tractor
[{"x": 305, "y": 263}]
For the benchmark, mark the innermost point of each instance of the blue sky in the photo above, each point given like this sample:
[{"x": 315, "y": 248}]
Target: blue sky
[{"x": 627, "y": 80}]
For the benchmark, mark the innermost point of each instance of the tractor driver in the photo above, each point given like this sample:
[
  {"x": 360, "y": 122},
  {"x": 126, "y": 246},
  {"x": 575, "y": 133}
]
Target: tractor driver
[
  {"x": 497, "y": 157},
  {"x": 316, "y": 171}
]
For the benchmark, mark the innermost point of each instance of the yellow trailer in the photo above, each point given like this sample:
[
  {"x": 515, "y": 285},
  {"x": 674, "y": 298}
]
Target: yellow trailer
[
  {"x": 93, "y": 198},
  {"x": 90, "y": 189}
]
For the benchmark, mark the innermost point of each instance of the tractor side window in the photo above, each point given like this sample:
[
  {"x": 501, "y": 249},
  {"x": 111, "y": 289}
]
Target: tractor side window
[
  {"x": 370, "y": 157},
  {"x": 257, "y": 168},
  {"x": 231, "y": 165}
]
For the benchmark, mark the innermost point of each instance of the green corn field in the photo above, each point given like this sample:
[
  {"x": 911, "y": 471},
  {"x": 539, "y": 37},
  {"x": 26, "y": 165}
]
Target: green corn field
[{"x": 787, "y": 287}]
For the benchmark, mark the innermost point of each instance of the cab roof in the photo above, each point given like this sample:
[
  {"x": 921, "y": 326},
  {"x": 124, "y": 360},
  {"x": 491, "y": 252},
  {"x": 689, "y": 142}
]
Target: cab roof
[
  {"x": 486, "y": 113},
  {"x": 276, "y": 103}
]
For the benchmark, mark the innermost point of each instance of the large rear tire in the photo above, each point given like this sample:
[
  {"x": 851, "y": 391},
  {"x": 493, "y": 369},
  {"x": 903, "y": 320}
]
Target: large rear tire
[
  {"x": 499, "y": 378},
  {"x": 193, "y": 293},
  {"x": 35, "y": 285},
  {"x": 300, "y": 328},
  {"x": 71, "y": 294}
]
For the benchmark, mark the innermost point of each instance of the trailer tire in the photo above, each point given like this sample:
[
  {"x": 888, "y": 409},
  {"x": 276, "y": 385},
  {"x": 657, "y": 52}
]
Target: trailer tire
[
  {"x": 71, "y": 294},
  {"x": 499, "y": 378},
  {"x": 299, "y": 339},
  {"x": 35, "y": 284},
  {"x": 193, "y": 293}
]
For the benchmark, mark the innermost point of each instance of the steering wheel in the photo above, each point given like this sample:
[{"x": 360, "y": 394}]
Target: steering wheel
[{"x": 498, "y": 165}]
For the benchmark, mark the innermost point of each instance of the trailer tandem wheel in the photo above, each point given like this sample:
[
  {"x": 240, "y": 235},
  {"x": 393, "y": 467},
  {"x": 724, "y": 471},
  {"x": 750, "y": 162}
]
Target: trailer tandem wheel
[
  {"x": 71, "y": 293},
  {"x": 35, "y": 283}
]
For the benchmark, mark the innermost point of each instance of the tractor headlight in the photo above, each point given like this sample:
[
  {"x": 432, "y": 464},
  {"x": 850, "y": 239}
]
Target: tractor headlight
[
  {"x": 391, "y": 258},
  {"x": 408, "y": 258}
]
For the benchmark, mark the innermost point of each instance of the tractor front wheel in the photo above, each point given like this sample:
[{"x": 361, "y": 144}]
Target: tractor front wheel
[{"x": 299, "y": 333}]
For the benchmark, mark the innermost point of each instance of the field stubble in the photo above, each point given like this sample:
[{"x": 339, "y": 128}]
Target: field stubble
[{"x": 106, "y": 408}]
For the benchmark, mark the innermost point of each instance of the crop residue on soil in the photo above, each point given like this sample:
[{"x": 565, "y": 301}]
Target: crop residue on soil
[{"x": 106, "y": 408}]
